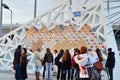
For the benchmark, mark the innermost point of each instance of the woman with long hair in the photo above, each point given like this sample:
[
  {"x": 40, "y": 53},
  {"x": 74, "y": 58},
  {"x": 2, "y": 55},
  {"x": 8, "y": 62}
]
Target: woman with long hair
[
  {"x": 38, "y": 65},
  {"x": 48, "y": 58},
  {"x": 99, "y": 54},
  {"x": 66, "y": 59},
  {"x": 23, "y": 64},
  {"x": 93, "y": 59}
]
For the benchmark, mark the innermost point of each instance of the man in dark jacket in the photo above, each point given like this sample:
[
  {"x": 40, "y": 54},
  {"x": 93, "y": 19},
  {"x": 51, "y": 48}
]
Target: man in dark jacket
[
  {"x": 110, "y": 63},
  {"x": 17, "y": 55}
]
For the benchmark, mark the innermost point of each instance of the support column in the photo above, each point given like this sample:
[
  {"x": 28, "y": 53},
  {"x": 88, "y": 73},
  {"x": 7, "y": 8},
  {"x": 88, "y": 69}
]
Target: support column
[
  {"x": 112, "y": 43},
  {"x": 1, "y": 18}
]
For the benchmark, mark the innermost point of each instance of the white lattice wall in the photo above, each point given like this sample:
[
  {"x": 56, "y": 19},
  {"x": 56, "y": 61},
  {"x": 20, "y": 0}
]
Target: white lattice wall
[{"x": 92, "y": 13}]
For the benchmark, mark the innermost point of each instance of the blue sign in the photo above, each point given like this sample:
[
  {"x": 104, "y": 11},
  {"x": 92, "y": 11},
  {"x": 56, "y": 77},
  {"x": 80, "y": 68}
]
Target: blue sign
[{"x": 77, "y": 13}]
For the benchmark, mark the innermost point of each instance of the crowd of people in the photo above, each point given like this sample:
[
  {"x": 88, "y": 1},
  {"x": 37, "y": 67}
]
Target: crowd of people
[{"x": 78, "y": 65}]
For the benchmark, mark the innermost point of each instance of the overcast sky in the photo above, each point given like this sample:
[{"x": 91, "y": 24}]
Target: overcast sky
[{"x": 23, "y": 10}]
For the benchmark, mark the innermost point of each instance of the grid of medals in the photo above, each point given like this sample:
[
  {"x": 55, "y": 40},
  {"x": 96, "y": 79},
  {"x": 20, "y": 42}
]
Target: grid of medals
[{"x": 57, "y": 38}]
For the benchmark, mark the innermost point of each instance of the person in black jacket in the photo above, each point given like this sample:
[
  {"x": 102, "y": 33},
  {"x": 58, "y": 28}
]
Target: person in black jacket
[
  {"x": 110, "y": 63},
  {"x": 59, "y": 64},
  {"x": 17, "y": 55},
  {"x": 48, "y": 58}
]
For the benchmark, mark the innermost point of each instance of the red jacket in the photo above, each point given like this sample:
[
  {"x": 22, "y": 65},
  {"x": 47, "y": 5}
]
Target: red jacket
[{"x": 73, "y": 62}]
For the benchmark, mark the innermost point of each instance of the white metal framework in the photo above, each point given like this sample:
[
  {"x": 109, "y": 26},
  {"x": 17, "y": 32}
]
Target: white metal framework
[{"x": 38, "y": 30}]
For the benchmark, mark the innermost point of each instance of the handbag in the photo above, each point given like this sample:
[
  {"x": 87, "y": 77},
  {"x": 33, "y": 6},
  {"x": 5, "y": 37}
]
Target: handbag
[{"x": 98, "y": 65}]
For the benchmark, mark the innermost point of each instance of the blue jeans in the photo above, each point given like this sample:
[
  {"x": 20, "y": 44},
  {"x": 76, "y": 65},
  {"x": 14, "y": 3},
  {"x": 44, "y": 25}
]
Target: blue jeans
[
  {"x": 59, "y": 73},
  {"x": 48, "y": 71},
  {"x": 44, "y": 72},
  {"x": 72, "y": 73},
  {"x": 65, "y": 71},
  {"x": 37, "y": 68},
  {"x": 18, "y": 73},
  {"x": 111, "y": 73},
  {"x": 84, "y": 79},
  {"x": 77, "y": 73}
]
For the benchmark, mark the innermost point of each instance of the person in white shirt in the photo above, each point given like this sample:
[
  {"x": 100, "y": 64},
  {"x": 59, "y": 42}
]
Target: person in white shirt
[
  {"x": 38, "y": 65},
  {"x": 82, "y": 61},
  {"x": 55, "y": 53},
  {"x": 93, "y": 57}
]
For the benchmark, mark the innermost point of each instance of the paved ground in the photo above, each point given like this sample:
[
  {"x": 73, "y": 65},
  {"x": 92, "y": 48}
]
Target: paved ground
[{"x": 9, "y": 75}]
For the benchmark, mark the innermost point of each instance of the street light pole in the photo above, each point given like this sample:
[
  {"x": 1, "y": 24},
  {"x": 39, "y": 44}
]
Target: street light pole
[
  {"x": 1, "y": 18},
  {"x": 108, "y": 5},
  {"x": 35, "y": 4},
  {"x": 10, "y": 20},
  {"x": 6, "y": 7},
  {"x": 70, "y": 2}
]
